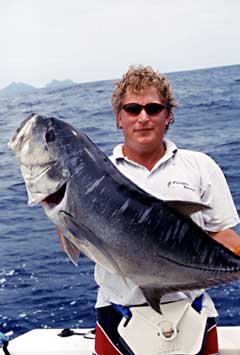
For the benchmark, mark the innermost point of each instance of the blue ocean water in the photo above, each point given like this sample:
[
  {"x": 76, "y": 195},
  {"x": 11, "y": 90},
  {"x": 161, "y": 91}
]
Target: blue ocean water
[{"x": 39, "y": 287}]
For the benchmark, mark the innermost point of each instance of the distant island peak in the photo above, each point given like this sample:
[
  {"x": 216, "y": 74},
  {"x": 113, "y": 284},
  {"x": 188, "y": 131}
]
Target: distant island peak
[{"x": 17, "y": 88}]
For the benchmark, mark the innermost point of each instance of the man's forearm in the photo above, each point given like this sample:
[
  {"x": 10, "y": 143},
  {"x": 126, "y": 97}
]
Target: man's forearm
[{"x": 229, "y": 238}]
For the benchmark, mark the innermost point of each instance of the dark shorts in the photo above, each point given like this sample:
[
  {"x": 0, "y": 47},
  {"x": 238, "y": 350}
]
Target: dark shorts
[{"x": 108, "y": 341}]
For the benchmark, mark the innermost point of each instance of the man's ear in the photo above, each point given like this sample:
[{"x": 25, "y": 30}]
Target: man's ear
[
  {"x": 169, "y": 119},
  {"x": 119, "y": 120}
]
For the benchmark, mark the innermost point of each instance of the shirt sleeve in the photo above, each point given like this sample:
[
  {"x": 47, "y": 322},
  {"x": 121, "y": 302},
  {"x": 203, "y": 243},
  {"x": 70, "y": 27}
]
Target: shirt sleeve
[{"x": 222, "y": 213}]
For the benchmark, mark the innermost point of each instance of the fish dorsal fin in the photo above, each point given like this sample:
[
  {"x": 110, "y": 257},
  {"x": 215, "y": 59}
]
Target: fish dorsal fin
[{"x": 186, "y": 208}]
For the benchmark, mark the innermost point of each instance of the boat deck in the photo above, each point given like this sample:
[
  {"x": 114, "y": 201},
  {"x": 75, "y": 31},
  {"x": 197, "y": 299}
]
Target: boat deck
[{"x": 47, "y": 342}]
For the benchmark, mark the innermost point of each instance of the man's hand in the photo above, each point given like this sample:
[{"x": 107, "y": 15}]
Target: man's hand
[
  {"x": 228, "y": 238},
  {"x": 236, "y": 251}
]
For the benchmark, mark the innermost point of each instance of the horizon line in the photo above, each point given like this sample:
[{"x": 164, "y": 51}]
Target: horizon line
[{"x": 112, "y": 79}]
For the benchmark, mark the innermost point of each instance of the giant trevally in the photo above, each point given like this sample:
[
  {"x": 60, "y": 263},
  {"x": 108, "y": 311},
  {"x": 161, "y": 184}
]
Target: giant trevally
[{"x": 100, "y": 212}]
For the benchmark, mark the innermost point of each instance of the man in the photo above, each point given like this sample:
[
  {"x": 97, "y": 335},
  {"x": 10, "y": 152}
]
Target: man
[{"x": 143, "y": 103}]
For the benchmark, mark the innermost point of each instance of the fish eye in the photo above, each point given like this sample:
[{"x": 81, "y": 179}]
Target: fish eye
[{"x": 50, "y": 136}]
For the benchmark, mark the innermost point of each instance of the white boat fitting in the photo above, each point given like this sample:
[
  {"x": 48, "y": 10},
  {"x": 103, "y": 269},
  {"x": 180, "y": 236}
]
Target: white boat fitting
[{"x": 47, "y": 342}]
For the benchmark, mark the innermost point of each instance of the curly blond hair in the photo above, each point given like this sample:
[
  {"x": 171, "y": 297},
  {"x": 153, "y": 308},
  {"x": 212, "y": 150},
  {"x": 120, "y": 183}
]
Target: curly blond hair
[{"x": 138, "y": 78}]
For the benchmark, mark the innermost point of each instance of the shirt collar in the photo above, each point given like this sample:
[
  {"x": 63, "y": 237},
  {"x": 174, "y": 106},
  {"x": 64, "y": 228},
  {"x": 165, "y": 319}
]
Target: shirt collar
[{"x": 171, "y": 150}]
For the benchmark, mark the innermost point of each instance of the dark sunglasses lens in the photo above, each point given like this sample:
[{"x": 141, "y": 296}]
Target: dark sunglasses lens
[
  {"x": 133, "y": 109},
  {"x": 154, "y": 108},
  {"x": 151, "y": 108}
]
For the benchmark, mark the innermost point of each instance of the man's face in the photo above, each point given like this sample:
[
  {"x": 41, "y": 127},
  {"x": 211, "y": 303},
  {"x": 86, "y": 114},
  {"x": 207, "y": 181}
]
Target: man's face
[{"x": 142, "y": 132}]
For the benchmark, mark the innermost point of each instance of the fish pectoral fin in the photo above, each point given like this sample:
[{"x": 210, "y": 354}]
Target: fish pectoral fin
[
  {"x": 68, "y": 247},
  {"x": 153, "y": 297},
  {"x": 91, "y": 245},
  {"x": 186, "y": 208}
]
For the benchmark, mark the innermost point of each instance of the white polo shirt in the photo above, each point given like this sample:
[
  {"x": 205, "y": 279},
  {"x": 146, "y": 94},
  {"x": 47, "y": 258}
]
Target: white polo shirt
[{"x": 179, "y": 175}]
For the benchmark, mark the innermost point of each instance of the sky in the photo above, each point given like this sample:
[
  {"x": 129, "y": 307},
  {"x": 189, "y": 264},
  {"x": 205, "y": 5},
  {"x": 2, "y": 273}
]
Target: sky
[{"x": 91, "y": 40}]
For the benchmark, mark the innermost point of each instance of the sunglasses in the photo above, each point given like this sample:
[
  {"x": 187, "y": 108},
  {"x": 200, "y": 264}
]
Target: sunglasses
[{"x": 151, "y": 109}]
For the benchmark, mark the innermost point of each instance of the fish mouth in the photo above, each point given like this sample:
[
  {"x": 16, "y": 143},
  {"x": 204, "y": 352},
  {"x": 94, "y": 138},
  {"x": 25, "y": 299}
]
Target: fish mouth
[
  {"x": 55, "y": 198},
  {"x": 21, "y": 135}
]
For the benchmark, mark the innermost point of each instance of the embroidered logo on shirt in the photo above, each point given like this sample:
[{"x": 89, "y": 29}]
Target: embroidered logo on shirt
[{"x": 185, "y": 185}]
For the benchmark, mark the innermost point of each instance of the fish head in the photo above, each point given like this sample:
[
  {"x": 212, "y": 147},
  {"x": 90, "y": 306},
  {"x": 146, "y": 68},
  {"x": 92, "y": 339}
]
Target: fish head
[{"x": 40, "y": 144}]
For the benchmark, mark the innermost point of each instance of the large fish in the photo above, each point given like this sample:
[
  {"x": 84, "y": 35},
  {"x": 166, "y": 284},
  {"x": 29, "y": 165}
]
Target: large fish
[{"x": 106, "y": 216}]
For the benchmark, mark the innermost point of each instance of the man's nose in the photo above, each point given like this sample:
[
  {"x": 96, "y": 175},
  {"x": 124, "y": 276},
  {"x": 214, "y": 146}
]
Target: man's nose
[{"x": 143, "y": 117}]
